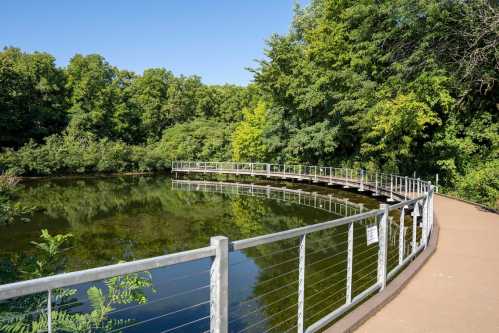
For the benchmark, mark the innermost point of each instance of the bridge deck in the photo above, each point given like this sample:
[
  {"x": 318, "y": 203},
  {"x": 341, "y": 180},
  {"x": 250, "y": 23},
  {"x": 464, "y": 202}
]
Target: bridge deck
[{"x": 458, "y": 288}]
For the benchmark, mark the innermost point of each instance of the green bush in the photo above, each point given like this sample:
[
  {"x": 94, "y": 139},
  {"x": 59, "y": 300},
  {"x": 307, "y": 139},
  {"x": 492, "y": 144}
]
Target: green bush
[{"x": 481, "y": 184}]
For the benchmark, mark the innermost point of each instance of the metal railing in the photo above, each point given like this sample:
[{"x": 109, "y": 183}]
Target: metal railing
[
  {"x": 393, "y": 186},
  {"x": 364, "y": 276}
]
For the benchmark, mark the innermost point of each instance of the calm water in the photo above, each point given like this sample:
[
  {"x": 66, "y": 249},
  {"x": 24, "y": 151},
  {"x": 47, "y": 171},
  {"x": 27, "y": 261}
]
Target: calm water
[{"x": 126, "y": 218}]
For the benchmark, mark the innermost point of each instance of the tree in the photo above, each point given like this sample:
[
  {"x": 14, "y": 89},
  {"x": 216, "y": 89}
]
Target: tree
[
  {"x": 247, "y": 140},
  {"x": 32, "y": 97},
  {"x": 92, "y": 94}
]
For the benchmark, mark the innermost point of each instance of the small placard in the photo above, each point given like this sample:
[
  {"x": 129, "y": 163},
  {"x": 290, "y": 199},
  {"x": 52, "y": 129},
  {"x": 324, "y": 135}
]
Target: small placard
[{"x": 371, "y": 234}]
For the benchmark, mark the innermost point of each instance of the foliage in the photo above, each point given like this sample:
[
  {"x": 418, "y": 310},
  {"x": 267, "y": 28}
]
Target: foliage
[
  {"x": 11, "y": 211},
  {"x": 201, "y": 139},
  {"x": 32, "y": 97},
  {"x": 406, "y": 86},
  {"x": 481, "y": 184},
  {"x": 247, "y": 139},
  {"x": 26, "y": 314}
]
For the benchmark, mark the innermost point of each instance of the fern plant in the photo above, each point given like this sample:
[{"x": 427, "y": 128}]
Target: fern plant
[{"x": 28, "y": 314}]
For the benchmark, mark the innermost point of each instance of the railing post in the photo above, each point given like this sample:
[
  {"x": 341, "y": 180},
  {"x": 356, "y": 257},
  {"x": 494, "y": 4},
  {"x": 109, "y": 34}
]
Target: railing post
[
  {"x": 349, "y": 264},
  {"x": 391, "y": 188},
  {"x": 330, "y": 175},
  {"x": 49, "y": 311},
  {"x": 401, "y": 235},
  {"x": 419, "y": 186},
  {"x": 405, "y": 185},
  {"x": 301, "y": 283},
  {"x": 268, "y": 170},
  {"x": 424, "y": 233},
  {"x": 315, "y": 173},
  {"x": 376, "y": 185},
  {"x": 219, "y": 285},
  {"x": 252, "y": 168},
  {"x": 383, "y": 246},
  {"x": 361, "y": 180},
  {"x": 415, "y": 215},
  {"x": 432, "y": 191}
]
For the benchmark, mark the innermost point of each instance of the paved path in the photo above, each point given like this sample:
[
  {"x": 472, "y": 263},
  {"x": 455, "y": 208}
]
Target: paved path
[{"x": 457, "y": 290}]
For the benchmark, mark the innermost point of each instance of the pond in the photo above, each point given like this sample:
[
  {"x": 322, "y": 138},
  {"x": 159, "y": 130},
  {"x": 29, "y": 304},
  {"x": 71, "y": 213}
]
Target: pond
[{"x": 115, "y": 219}]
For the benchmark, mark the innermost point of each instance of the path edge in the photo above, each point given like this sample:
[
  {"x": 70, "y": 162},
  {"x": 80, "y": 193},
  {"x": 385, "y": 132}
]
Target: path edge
[{"x": 369, "y": 308}]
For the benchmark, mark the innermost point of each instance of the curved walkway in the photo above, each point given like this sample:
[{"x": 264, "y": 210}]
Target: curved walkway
[{"x": 457, "y": 290}]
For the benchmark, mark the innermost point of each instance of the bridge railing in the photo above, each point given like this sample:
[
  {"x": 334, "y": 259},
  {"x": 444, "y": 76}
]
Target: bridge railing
[
  {"x": 392, "y": 185},
  {"x": 363, "y": 255}
]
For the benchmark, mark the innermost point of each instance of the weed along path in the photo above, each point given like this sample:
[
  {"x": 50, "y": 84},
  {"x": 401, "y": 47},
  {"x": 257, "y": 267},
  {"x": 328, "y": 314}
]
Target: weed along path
[{"x": 457, "y": 290}]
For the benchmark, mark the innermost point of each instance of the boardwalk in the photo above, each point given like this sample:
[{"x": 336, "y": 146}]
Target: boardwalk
[{"x": 458, "y": 288}]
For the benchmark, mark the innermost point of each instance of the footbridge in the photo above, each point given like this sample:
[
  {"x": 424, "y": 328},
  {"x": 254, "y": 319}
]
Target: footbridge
[
  {"x": 306, "y": 279},
  {"x": 395, "y": 187}
]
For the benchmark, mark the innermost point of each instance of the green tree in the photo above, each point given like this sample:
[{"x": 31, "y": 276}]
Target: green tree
[
  {"x": 32, "y": 97},
  {"x": 247, "y": 139}
]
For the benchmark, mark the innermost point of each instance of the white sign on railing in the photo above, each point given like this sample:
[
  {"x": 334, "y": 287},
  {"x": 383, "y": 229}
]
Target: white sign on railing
[{"x": 371, "y": 234}]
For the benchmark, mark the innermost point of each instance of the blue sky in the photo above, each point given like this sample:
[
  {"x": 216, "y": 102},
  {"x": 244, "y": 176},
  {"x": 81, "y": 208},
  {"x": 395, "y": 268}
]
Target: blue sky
[{"x": 214, "y": 39}]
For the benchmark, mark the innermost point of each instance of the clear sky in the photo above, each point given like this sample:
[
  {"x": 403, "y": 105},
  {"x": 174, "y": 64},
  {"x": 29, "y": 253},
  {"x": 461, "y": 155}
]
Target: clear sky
[{"x": 215, "y": 39}]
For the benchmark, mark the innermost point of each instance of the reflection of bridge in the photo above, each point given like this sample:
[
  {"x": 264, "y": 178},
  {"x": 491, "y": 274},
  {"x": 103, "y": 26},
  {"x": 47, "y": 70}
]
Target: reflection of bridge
[{"x": 328, "y": 203}]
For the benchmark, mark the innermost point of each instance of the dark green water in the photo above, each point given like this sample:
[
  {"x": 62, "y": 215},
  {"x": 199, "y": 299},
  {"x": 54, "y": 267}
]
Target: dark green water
[{"x": 127, "y": 218}]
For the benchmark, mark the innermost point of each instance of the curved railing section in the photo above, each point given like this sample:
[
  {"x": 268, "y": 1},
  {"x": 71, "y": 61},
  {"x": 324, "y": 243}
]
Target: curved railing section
[
  {"x": 395, "y": 187},
  {"x": 362, "y": 256}
]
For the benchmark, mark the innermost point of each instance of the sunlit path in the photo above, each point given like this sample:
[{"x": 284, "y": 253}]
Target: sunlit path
[{"x": 458, "y": 288}]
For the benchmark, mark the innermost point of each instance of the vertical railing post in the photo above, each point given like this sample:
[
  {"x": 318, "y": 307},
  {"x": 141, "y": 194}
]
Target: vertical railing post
[
  {"x": 219, "y": 285},
  {"x": 252, "y": 169},
  {"x": 361, "y": 180},
  {"x": 391, "y": 188},
  {"x": 376, "y": 186},
  {"x": 419, "y": 186},
  {"x": 415, "y": 214},
  {"x": 301, "y": 284},
  {"x": 424, "y": 233},
  {"x": 401, "y": 234},
  {"x": 349, "y": 264},
  {"x": 315, "y": 173},
  {"x": 330, "y": 175},
  {"x": 383, "y": 246},
  {"x": 405, "y": 185},
  {"x": 268, "y": 170},
  {"x": 49, "y": 311},
  {"x": 432, "y": 191}
]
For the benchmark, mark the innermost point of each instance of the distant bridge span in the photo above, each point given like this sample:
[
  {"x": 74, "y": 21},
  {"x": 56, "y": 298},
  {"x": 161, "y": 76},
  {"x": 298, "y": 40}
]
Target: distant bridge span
[{"x": 394, "y": 187}]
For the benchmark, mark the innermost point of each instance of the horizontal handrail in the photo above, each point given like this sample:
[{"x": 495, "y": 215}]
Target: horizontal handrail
[
  {"x": 292, "y": 233},
  {"x": 33, "y": 286}
]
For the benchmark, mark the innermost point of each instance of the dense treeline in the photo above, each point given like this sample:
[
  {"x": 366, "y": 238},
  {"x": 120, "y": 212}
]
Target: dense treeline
[{"x": 399, "y": 85}]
